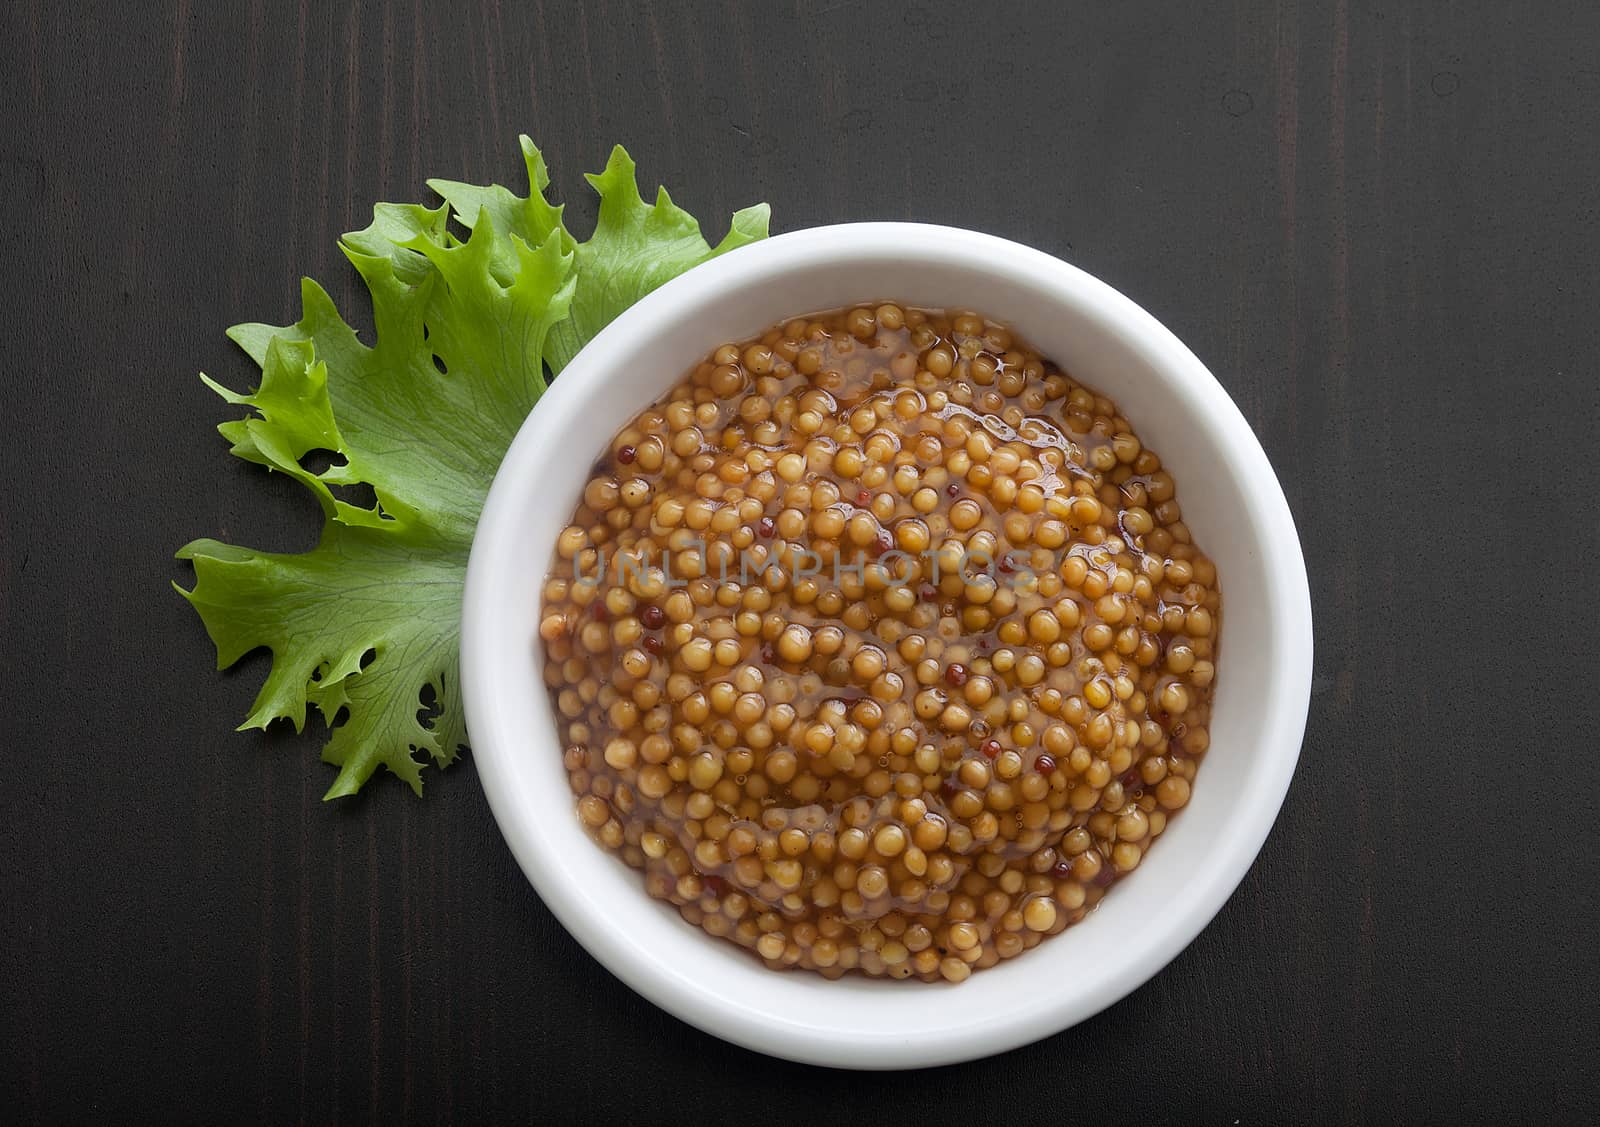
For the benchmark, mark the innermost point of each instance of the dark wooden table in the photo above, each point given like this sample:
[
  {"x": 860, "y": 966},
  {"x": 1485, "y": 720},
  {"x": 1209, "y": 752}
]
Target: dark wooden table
[{"x": 1377, "y": 223}]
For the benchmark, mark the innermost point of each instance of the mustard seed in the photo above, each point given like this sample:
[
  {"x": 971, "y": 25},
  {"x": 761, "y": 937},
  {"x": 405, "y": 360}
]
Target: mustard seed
[{"x": 880, "y": 646}]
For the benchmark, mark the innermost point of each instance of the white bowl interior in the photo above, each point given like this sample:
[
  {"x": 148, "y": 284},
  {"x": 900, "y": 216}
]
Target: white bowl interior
[{"x": 1230, "y": 499}]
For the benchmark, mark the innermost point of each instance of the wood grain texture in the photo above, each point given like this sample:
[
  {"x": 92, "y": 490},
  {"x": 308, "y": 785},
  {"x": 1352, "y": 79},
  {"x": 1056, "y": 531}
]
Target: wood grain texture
[{"x": 1376, "y": 222}]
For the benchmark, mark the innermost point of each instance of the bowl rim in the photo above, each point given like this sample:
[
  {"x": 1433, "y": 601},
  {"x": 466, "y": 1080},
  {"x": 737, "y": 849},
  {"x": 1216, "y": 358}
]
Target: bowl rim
[{"x": 539, "y": 441}]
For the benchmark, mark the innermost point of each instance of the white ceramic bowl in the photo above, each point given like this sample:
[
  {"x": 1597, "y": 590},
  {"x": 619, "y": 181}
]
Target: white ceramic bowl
[{"x": 1230, "y": 499}]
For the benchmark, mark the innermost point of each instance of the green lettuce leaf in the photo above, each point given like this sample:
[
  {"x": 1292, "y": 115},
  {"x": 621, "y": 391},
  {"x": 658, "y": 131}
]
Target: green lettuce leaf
[
  {"x": 635, "y": 246},
  {"x": 365, "y": 628}
]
